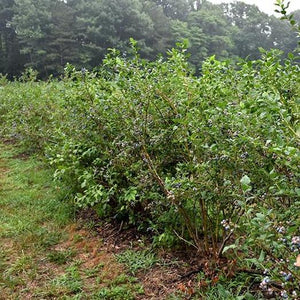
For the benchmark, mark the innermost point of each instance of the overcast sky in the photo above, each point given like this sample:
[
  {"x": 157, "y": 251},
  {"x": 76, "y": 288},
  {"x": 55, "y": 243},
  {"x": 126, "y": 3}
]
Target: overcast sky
[{"x": 266, "y": 6}]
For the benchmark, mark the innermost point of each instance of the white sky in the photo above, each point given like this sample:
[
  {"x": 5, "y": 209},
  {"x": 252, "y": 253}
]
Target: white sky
[{"x": 266, "y": 6}]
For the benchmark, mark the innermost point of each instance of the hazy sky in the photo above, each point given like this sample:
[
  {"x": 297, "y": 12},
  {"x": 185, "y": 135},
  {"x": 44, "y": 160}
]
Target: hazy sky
[{"x": 266, "y": 6}]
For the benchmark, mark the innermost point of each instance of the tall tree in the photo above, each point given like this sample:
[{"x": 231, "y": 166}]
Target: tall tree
[
  {"x": 159, "y": 39},
  {"x": 252, "y": 29},
  {"x": 282, "y": 36},
  {"x": 211, "y": 20},
  {"x": 180, "y": 9},
  {"x": 32, "y": 22},
  {"x": 175, "y": 9},
  {"x": 110, "y": 24},
  {"x": 197, "y": 41},
  {"x": 63, "y": 43},
  {"x": 47, "y": 33},
  {"x": 10, "y": 59},
  {"x": 207, "y": 31}
]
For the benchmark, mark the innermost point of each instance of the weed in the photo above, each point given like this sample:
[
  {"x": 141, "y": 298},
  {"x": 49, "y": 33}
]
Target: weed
[
  {"x": 70, "y": 282},
  {"x": 50, "y": 239},
  {"x": 77, "y": 238},
  {"x": 116, "y": 293},
  {"x": 137, "y": 260},
  {"x": 93, "y": 272},
  {"x": 122, "y": 279},
  {"x": 22, "y": 264},
  {"x": 119, "y": 292},
  {"x": 60, "y": 257}
]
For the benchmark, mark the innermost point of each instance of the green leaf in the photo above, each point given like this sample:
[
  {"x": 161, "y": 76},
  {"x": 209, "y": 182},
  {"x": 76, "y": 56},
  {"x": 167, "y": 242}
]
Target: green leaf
[
  {"x": 261, "y": 256},
  {"x": 260, "y": 216},
  {"x": 245, "y": 181},
  {"x": 130, "y": 194},
  {"x": 233, "y": 246}
]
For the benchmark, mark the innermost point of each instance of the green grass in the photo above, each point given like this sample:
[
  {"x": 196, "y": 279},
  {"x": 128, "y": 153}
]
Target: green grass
[
  {"x": 32, "y": 216},
  {"x": 137, "y": 260},
  {"x": 60, "y": 257},
  {"x": 29, "y": 200}
]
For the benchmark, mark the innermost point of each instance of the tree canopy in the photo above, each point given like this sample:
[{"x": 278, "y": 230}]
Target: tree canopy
[{"x": 46, "y": 34}]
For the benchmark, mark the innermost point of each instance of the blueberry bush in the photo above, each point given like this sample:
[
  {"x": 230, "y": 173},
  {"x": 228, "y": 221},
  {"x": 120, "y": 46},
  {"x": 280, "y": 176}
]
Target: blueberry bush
[{"x": 210, "y": 161}]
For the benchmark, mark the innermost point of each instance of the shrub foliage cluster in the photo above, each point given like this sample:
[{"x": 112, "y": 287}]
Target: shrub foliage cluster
[{"x": 212, "y": 161}]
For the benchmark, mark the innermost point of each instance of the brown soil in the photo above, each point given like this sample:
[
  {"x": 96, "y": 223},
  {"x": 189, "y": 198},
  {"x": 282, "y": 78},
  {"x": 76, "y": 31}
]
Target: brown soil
[{"x": 177, "y": 270}]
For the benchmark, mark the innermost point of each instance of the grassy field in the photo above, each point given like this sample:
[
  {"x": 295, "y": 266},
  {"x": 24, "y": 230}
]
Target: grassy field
[{"x": 43, "y": 253}]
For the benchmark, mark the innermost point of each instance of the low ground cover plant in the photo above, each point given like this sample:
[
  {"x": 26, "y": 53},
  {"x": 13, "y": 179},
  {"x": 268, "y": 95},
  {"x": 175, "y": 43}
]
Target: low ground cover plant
[{"x": 210, "y": 161}]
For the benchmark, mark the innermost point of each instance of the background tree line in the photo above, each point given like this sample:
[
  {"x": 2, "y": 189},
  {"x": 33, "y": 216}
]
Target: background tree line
[{"x": 46, "y": 34}]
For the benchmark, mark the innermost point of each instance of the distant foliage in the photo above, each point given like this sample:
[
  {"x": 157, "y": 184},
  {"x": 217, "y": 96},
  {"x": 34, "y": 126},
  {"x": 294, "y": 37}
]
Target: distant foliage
[
  {"x": 47, "y": 34},
  {"x": 211, "y": 161}
]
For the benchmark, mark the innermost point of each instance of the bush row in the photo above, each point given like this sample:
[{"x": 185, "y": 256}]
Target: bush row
[{"x": 212, "y": 160}]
